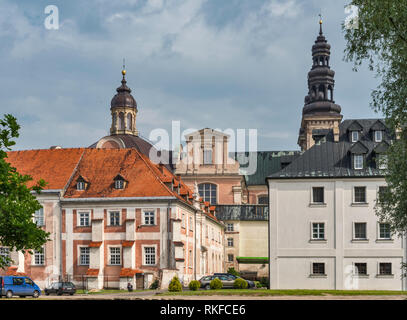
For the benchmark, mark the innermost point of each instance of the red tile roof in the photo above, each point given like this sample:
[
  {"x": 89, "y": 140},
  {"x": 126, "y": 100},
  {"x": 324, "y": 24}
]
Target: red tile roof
[
  {"x": 61, "y": 168},
  {"x": 54, "y": 166},
  {"x": 95, "y": 244},
  {"x": 127, "y": 243},
  {"x": 12, "y": 271},
  {"x": 92, "y": 272},
  {"x": 127, "y": 272}
]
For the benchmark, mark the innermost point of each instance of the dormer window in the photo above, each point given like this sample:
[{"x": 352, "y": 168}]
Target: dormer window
[
  {"x": 358, "y": 161},
  {"x": 119, "y": 182},
  {"x": 382, "y": 161},
  {"x": 355, "y": 136},
  {"x": 378, "y": 136},
  {"x": 81, "y": 183}
]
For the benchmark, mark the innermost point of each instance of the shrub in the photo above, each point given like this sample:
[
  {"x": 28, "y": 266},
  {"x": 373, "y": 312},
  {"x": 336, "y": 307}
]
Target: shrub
[
  {"x": 257, "y": 284},
  {"x": 194, "y": 285},
  {"x": 240, "y": 284},
  {"x": 264, "y": 282},
  {"x": 175, "y": 285},
  {"x": 216, "y": 284},
  {"x": 154, "y": 285},
  {"x": 233, "y": 271}
]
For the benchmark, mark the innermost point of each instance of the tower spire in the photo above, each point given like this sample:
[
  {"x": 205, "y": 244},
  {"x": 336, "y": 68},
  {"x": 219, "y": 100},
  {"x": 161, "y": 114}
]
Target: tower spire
[{"x": 320, "y": 24}]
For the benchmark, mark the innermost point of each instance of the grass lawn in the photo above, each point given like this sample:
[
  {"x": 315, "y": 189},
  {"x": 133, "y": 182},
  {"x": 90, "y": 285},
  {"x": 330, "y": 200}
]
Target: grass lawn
[{"x": 265, "y": 292}]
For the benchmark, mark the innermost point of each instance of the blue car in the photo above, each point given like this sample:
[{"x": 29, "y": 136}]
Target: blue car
[{"x": 18, "y": 286}]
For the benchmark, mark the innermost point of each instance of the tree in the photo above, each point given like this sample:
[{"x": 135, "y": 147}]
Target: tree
[
  {"x": 380, "y": 40},
  {"x": 18, "y": 231}
]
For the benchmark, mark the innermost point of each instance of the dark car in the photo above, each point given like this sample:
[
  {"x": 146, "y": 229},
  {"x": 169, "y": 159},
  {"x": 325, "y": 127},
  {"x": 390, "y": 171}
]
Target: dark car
[
  {"x": 250, "y": 283},
  {"x": 60, "y": 288}
]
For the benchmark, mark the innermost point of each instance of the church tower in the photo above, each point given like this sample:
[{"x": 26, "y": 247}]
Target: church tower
[
  {"x": 123, "y": 108},
  {"x": 320, "y": 114}
]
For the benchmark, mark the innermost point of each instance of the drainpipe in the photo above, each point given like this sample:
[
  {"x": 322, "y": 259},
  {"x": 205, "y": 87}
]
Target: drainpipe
[
  {"x": 170, "y": 255},
  {"x": 195, "y": 232},
  {"x": 268, "y": 233}
]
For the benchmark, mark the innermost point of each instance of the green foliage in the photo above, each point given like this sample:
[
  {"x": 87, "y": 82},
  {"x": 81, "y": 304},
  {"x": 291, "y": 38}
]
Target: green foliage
[
  {"x": 233, "y": 271},
  {"x": 381, "y": 41},
  {"x": 194, "y": 285},
  {"x": 175, "y": 285},
  {"x": 17, "y": 203},
  {"x": 264, "y": 282},
  {"x": 216, "y": 284},
  {"x": 154, "y": 285},
  {"x": 240, "y": 284}
]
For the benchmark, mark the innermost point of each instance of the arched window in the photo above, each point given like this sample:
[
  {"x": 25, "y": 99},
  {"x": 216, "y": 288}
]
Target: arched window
[
  {"x": 321, "y": 93},
  {"x": 331, "y": 93},
  {"x": 114, "y": 120},
  {"x": 121, "y": 121},
  {"x": 129, "y": 123},
  {"x": 207, "y": 191},
  {"x": 321, "y": 60}
]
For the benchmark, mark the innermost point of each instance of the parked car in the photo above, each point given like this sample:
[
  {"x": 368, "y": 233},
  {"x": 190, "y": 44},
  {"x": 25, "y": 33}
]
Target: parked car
[
  {"x": 250, "y": 284},
  {"x": 60, "y": 288},
  {"x": 228, "y": 280},
  {"x": 18, "y": 286}
]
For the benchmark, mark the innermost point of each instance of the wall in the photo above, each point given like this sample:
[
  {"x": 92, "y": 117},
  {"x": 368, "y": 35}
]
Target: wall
[{"x": 292, "y": 251}]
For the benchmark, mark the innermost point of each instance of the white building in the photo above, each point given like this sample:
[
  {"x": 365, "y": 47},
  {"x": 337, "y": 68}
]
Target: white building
[{"x": 324, "y": 233}]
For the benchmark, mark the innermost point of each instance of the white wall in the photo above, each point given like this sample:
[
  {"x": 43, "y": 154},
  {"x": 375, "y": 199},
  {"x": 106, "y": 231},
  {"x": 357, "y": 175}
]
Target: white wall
[{"x": 292, "y": 251}]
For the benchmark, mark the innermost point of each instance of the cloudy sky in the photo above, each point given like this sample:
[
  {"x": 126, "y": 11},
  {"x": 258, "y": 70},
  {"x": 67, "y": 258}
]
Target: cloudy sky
[{"x": 236, "y": 64}]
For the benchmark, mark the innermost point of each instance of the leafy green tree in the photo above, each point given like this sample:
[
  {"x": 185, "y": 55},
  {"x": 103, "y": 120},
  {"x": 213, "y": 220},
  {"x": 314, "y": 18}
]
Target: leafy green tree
[
  {"x": 380, "y": 40},
  {"x": 18, "y": 231},
  {"x": 233, "y": 271}
]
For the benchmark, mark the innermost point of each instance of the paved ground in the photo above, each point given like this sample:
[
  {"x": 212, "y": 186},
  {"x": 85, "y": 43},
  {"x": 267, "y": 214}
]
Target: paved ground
[{"x": 151, "y": 295}]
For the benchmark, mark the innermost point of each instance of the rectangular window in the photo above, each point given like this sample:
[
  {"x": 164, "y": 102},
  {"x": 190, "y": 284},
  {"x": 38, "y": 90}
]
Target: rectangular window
[
  {"x": 361, "y": 268},
  {"x": 39, "y": 217},
  {"x": 230, "y": 227},
  {"x": 115, "y": 256},
  {"x": 230, "y": 257},
  {"x": 318, "y": 231},
  {"x": 385, "y": 268},
  {"x": 114, "y": 218},
  {"x": 360, "y": 230},
  {"x": 381, "y": 193},
  {"x": 384, "y": 231},
  {"x": 39, "y": 257},
  {"x": 382, "y": 161},
  {"x": 5, "y": 254},
  {"x": 190, "y": 259},
  {"x": 84, "y": 256},
  {"x": 119, "y": 184},
  {"x": 378, "y": 135},
  {"x": 84, "y": 220},
  {"x": 318, "y": 195},
  {"x": 191, "y": 223},
  {"x": 358, "y": 161},
  {"x": 149, "y": 255},
  {"x": 230, "y": 242},
  {"x": 80, "y": 185},
  {"x": 318, "y": 268},
  {"x": 360, "y": 194},
  {"x": 355, "y": 136},
  {"x": 183, "y": 221},
  {"x": 149, "y": 218},
  {"x": 207, "y": 155}
]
